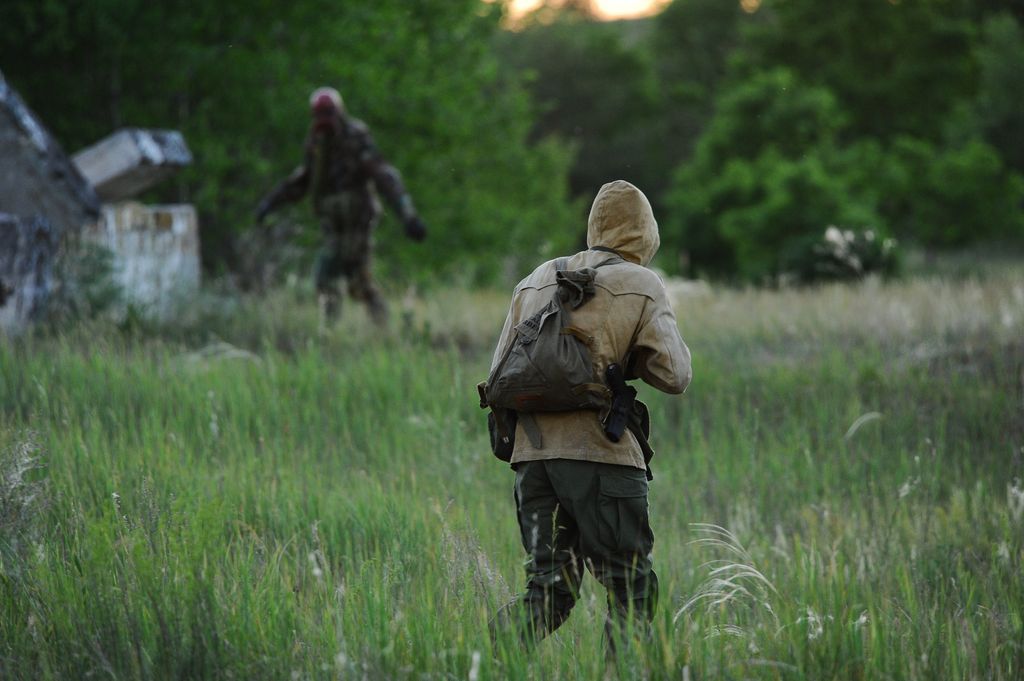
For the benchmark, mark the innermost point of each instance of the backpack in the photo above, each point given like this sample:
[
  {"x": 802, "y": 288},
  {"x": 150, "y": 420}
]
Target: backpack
[{"x": 547, "y": 366}]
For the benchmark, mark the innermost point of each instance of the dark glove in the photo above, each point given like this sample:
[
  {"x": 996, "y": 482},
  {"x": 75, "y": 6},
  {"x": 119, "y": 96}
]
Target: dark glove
[
  {"x": 262, "y": 211},
  {"x": 415, "y": 229}
]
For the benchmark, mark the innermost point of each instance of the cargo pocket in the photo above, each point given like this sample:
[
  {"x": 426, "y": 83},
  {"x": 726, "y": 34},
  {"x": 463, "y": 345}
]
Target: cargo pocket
[{"x": 622, "y": 511}]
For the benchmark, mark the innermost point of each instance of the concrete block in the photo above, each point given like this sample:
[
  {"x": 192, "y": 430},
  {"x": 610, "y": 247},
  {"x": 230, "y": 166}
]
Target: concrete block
[
  {"x": 132, "y": 160},
  {"x": 156, "y": 253}
]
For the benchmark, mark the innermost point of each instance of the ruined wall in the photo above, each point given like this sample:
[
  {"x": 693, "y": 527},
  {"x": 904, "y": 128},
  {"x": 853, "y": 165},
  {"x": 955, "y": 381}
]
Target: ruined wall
[
  {"x": 44, "y": 196},
  {"x": 156, "y": 253},
  {"x": 28, "y": 247},
  {"x": 36, "y": 177}
]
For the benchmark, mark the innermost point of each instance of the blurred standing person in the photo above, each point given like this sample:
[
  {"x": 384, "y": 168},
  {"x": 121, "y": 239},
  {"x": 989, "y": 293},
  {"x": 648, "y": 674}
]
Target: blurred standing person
[
  {"x": 581, "y": 498},
  {"x": 344, "y": 172}
]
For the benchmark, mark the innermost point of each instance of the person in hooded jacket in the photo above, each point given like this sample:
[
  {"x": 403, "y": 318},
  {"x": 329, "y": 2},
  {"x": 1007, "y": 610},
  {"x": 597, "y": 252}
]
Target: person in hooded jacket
[
  {"x": 344, "y": 172},
  {"x": 581, "y": 499}
]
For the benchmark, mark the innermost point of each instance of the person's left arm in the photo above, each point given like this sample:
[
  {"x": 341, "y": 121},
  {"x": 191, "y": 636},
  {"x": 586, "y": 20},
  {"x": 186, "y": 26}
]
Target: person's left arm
[{"x": 390, "y": 186}]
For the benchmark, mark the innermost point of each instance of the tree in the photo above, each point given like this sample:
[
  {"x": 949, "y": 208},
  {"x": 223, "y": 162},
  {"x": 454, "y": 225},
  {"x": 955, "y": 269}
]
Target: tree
[
  {"x": 952, "y": 196},
  {"x": 895, "y": 67},
  {"x": 775, "y": 168},
  {"x": 690, "y": 47},
  {"x": 996, "y": 113},
  {"x": 853, "y": 114},
  {"x": 692, "y": 42},
  {"x": 593, "y": 91},
  {"x": 631, "y": 97}
]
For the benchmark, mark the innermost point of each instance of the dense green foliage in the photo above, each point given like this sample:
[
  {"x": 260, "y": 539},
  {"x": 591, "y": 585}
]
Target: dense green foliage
[
  {"x": 234, "y": 76},
  {"x": 883, "y": 153},
  {"x": 765, "y": 177},
  {"x": 900, "y": 117},
  {"x": 996, "y": 111},
  {"x": 589, "y": 79},
  {"x": 327, "y": 508}
]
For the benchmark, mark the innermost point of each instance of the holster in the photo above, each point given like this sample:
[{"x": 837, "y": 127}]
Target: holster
[
  {"x": 640, "y": 425},
  {"x": 501, "y": 425}
]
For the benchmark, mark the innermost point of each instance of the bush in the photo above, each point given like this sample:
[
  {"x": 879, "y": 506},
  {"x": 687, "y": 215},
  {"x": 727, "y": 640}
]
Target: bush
[{"x": 845, "y": 254}]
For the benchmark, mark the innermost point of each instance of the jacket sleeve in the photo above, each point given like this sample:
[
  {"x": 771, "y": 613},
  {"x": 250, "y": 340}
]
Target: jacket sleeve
[
  {"x": 387, "y": 179},
  {"x": 659, "y": 356},
  {"x": 291, "y": 189}
]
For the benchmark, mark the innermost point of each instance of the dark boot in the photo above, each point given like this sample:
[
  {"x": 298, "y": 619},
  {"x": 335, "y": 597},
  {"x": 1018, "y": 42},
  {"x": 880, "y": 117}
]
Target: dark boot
[{"x": 531, "y": 620}]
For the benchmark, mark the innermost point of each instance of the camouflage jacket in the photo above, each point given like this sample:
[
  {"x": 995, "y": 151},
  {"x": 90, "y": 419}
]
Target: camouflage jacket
[{"x": 343, "y": 158}]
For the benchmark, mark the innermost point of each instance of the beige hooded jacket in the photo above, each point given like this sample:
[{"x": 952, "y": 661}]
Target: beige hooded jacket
[{"x": 629, "y": 313}]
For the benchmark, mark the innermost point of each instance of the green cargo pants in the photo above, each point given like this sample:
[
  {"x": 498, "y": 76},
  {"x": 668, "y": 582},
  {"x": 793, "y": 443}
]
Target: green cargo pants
[
  {"x": 576, "y": 514},
  {"x": 347, "y": 220}
]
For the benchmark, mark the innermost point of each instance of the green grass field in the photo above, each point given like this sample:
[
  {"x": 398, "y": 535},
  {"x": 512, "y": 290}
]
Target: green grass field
[{"x": 839, "y": 495}]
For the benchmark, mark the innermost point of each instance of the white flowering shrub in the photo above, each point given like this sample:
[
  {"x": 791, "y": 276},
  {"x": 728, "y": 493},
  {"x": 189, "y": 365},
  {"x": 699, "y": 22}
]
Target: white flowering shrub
[{"x": 846, "y": 254}]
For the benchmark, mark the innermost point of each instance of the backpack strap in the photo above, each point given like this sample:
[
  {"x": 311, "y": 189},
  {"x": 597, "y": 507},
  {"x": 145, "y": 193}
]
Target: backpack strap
[
  {"x": 610, "y": 261},
  {"x": 562, "y": 263},
  {"x": 604, "y": 249},
  {"x": 531, "y": 429}
]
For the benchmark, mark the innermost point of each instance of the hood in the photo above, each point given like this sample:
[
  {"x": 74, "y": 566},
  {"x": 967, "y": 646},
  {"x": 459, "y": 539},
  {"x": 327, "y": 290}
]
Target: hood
[{"x": 621, "y": 219}]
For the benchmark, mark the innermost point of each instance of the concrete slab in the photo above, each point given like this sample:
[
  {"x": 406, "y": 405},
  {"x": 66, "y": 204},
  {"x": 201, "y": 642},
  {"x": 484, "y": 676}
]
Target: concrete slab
[{"x": 132, "y": 160}]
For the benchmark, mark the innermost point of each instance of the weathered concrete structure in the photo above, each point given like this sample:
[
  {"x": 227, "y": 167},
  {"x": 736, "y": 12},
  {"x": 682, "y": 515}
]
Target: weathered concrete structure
[
  {"x": 36, "y": 177},
  {"x": 47, "y": 197},
  {"x": 131, "y": 161},
  {"x": 28, "y": 248},
  {"x": 156, "y": 253},
  {"x": 156, "y": 248},
  {"x": 42, "y": 198}
]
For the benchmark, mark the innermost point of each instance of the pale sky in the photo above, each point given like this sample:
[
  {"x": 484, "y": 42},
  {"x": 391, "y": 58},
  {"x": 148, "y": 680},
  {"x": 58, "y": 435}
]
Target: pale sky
[{"x": 609, "y": 9}]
